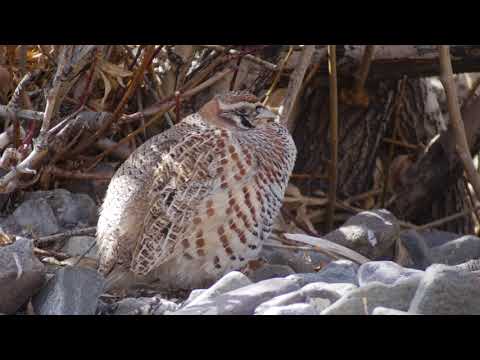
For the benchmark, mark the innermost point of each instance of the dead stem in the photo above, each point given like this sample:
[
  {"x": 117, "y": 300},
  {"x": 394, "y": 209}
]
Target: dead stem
[
  {"x": 249, "y": 57},
  {"x": 295, "y": 85},
  {"x": 333, "y": 101},
  {"x": 446, "y": 219},
  {"x": 363, "y": 70},
  {"x": 159, "y": 110},
  {"x": 78, "y": 175},
  {"x": 391, "y": 153},
  {"x": 138, "y": 77},
  {"x": 61, "y": 236},
  {"x": 277, "y": 76},
  {"x": 458, "y": 128}
]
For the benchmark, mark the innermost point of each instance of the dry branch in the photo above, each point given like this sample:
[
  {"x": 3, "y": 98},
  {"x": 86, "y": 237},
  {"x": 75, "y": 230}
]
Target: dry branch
[
  {"x": 328, "y": 246},
  {"x": 159, "y": 110},
  {"x": 250, "y": 57},
  {"x": 456, "y": 121},
  {"x": 148, "y": 57},
  {"x": 446, "y": 219},
  {"x": 333, "y": 101},
  {"x": 277, "y": 76},
  {"x": 364, "y": 68},
  {"x": 65, "y": 235},
  {"x": 295, "y": 85}
]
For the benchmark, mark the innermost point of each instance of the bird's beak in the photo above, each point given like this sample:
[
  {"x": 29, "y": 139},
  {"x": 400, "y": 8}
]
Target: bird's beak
[{"x": 265, "y": 113}]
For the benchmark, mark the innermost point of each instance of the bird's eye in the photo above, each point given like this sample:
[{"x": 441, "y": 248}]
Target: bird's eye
[{"x": 246, "y": 123}]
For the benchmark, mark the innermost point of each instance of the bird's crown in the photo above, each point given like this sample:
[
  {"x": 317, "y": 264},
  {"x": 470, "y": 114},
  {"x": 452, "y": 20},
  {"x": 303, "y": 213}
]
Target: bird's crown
[{"x": 232, "y": 97}]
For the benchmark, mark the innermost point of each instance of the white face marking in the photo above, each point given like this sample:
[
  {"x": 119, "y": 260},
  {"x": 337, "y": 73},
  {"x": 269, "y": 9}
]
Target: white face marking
[{"x": 244, "y": 115}]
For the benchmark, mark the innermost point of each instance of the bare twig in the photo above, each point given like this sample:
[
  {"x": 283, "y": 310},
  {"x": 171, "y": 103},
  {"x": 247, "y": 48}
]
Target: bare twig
[
  {"x": 50, "y": 253},
  {"x": 257, "y": 60},
  {"x": 169, "y": 102},
  {"x": 159, "y": 110},
  {"x": 65, "y": 235},
  {"x": 20, "y": 89},
  {"x": 447, "y": 219},
  {"x": 362, "y": 196},
  {"x": 53, "y": 95},
  {"x": 456, "y": 122},
  {"x": 80, "y": 175},
  {"x": 120, "y": 152},
  {"x": 471, "y": 200},
  {"x": 398, "y": 107},
  {"x": 22, "y": 114},
  {"x": 277, "y": 76},
  {"x": 328, "y": 246},
  {"x": 148, "y": 57},
  {"x": 295, "y": 85},
  {"x": 92, "y": 245},
  {"x": 333, "y": 100},
  {"x": 301, "y": 248},
  {"x": 402, "y": 144},
  {"x": 362, "y": 74}
]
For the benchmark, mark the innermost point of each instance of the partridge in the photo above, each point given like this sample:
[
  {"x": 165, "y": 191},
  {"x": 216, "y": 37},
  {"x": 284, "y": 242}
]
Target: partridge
[{"x": 198, "y": 200}]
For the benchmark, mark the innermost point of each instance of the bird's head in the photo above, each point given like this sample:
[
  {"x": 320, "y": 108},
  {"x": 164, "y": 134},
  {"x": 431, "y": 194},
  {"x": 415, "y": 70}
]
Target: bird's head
[{"x": 237, "y": 111}]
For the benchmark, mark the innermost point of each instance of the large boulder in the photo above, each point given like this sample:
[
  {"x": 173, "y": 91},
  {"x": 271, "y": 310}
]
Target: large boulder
[{"x": 21, "y": 275}]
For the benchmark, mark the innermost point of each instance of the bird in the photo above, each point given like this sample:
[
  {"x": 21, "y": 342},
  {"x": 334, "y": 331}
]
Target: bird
[{"x": 198, "y": 200}]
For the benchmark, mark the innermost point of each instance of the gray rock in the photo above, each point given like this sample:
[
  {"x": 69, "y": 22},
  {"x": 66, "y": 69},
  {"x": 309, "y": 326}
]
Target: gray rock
[
  {"x": 298, "y": 261},
  {"x": 69, "y": 209},
  {"x": 9, "y": 225},
  {"x": 77, "y": 245},
  {"x": 417, "y": 248},
  {"x": 128, "y": 306},
  {"x": 163, "y": 306},
  {"x": 21, "y": 275},
  {"x": 293, "y": 309},
  {"x": 242, "y": 301},
  {"x": 231, "y": 281},
  {"x": 144, "y": 306},
  {"x": 318, "y": 259},
  {"x": 282, "y": 300},
  {"x": 435, "y": 238},
  {"x": 447, "y": 290},
  {"x": 73, "y": 291},
  {"x": 340, "y": 271},
  {"x": 320, "y": 304},
  {"x": 457, "y": 251},
  {"x": 363, "y": 300},
  {"x": 103, "y": 308},
  {"x": 270, "y": 271},
  {"x": 36, "y": 217},
  {"x": 370, "y": 233},
  {"x": 380, "y": 310},
  {"x": 386, "y": 272},
  {"x": 329, "y": 292},
  {"x": 193, "y": 295}
]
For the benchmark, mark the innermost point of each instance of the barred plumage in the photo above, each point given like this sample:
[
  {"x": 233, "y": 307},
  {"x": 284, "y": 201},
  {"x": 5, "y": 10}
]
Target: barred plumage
[{"x": 199, "y": 199}]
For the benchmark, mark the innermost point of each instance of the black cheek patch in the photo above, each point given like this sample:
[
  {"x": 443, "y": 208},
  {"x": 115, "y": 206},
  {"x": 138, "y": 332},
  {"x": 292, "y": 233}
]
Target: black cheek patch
[{"x": 247, "y": 123}]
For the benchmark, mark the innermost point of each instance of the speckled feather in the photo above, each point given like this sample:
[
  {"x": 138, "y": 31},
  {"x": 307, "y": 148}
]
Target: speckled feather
[{"x": 195, "y": 202}]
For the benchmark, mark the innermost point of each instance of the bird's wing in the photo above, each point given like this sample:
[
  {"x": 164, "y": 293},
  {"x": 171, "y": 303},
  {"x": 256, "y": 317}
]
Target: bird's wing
[
  {"x": 182, "y": 180},
  {"x": 123, "y": 203}
]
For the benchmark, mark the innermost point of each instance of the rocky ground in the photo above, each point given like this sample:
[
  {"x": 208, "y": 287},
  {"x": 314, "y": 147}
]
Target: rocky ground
[{"x": 60, "y": 279}]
